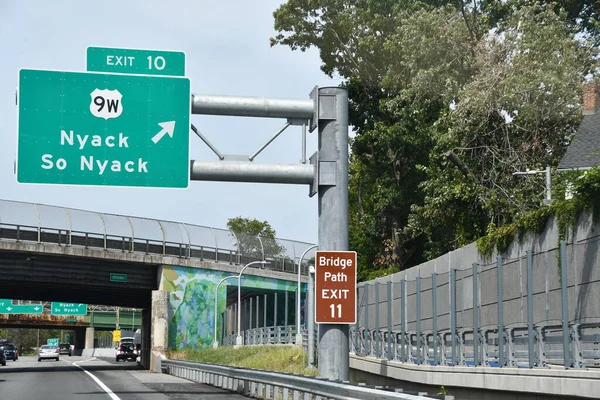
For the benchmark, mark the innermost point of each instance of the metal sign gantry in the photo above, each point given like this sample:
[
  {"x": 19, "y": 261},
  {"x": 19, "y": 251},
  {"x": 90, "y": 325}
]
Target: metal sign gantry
[{"x": 326, "y": 173}]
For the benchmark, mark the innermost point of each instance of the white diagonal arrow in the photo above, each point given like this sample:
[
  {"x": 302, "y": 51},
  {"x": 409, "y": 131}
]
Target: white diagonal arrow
[{"x": 168, "y": 127}]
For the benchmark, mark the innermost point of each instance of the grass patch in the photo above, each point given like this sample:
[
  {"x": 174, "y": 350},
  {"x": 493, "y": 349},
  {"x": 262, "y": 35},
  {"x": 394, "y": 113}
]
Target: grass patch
[{"x": 277, "y": 358}]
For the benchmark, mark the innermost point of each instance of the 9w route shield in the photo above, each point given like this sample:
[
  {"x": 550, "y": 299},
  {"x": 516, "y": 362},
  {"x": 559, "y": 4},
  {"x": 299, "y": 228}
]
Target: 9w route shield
[{"x": 335, "y": 287}]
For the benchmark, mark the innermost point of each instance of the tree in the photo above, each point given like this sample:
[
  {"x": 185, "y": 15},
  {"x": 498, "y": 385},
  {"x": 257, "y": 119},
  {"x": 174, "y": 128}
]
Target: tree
[
  {"x": 401, "y": 64},
  {"x": 447, "y": 101},
  {"x": 519, "y": 111},
  {"x": 247, "y": 232}
]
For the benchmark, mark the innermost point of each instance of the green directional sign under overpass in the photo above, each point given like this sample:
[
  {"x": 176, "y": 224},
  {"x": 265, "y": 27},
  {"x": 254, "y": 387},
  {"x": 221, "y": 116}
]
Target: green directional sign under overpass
[
  {"x": 85, "y": 128},
  {"x": 7, "y": 307},
  {"x": 69, "y": 309}
]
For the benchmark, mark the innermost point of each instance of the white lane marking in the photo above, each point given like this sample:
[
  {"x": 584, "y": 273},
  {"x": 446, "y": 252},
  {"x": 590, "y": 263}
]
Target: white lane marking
[{"x": 98, "y": 381}]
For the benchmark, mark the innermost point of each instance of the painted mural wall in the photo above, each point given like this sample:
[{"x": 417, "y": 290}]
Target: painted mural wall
[{"x": 191, "y": 301}]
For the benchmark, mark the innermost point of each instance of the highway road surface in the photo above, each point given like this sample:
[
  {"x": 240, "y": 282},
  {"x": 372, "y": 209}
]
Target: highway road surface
[{"x": 96, "y": 379}]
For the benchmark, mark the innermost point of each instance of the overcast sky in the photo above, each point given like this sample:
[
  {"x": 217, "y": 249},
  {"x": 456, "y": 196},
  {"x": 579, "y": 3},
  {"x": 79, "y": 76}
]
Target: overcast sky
[{"x": 227, "y": 53}]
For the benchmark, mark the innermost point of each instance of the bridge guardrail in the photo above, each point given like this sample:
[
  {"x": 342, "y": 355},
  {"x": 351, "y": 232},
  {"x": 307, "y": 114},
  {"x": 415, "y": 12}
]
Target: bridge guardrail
[
  {"x": 276, "y": 385},
  {"x": 67, "y": 238}
]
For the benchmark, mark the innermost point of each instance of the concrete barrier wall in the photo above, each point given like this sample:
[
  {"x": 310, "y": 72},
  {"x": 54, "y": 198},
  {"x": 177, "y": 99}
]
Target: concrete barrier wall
[{"x": 583, "y": 280}]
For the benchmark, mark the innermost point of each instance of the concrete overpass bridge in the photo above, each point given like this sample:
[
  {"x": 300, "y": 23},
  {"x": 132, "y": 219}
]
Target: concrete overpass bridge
[{"x": 167, "y": 271}]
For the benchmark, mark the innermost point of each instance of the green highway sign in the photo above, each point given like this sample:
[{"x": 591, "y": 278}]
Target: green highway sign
[
  {"x": 7, "y": 307},
  {"x": 87, "y": 128},
  {"x": 133, "y": 61},
  {"x": 118, "y": 277},
  {"x": 53, "y": 341},
  {"x": 69, "y": 309}
]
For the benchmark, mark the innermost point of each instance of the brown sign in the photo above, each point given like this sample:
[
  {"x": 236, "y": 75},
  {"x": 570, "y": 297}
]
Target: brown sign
[{"x": 335, "y": 287}]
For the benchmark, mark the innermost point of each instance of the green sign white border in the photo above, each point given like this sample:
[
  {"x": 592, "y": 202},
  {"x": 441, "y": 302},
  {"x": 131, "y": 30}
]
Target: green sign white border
[
  {"x": 145, "y": 49},
  {"x": 18, "y": 98}
]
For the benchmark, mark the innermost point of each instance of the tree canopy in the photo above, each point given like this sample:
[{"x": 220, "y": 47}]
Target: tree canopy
[
  {"x": 253, "y": 237},
  {"x": 447, "y": 99}
]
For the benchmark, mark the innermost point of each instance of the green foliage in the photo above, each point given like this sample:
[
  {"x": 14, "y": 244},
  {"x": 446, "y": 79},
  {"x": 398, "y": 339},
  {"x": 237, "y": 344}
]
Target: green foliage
[
  {"x": 586, "y": 198},
  {"x": 247, "y": 232},
  {"x": 290, "y": 359},
  {"x": 448, "y": 99},
  {"x": 444, "y": 392},
  {"x": 31, "y": 338}
]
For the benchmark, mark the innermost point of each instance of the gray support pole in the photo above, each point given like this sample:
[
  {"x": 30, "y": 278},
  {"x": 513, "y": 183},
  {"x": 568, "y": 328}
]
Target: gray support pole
[
  {"x": 434, "y": 316},
  {"x": 403, "y": 320},
  {"x": 475, "y": 317},
  {"x": 334, "y": 355},
  {"x": 235, "y": 310},
  {"x": 265, "y": 311},
  {"x": 389, "y": 320},
  {"x": 252, "y": 107},
  {"x": 357, "y": 324},
  {"x": 233, "y": 171},
  {"x": 251, "y": 309},
  {"x": 419, "y": 358},
  {"x": 501, "y": 360},
  {"x": 377, "y": 326},
  {"x": 310, "y": 296},
  {"x": 453, "y": 313},
  {"x": 258, "y": 311},
  {"x": 285, "y": 314},
  {"x": 275, "y": 321},
  {"x": 530, "y": 345},
  {"x": 565, "y": 304},
  {"x": 367, "y": 334}
]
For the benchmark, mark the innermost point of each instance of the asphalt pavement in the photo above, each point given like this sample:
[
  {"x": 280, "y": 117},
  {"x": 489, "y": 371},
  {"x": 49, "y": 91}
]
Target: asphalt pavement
[{"x": 96, "y": 379}]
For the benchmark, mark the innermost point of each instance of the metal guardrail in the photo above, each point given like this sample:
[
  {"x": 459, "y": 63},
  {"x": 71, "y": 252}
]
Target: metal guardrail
[
  {"x": 125, "y": 244},
  {"x": 275, "y": 385},
  {"x": 430, "y": 350},
  {"x": 265, "y": 335}
]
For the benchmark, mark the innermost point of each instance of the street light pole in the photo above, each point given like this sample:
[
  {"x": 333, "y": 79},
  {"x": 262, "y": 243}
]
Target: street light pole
[
  {"x": 298, "y": 295},
  {"x": 548, "y": 172},
  {"x": 216, "y": 342},
  {"x": 238, "y": 339}
]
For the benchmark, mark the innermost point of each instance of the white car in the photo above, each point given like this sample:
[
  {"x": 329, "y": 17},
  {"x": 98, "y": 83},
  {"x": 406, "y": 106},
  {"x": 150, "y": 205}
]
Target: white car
[{"x": 49, "y": 351}]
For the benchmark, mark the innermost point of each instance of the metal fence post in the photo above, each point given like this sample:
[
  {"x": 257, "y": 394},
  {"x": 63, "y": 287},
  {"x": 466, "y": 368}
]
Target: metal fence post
[
  {"x": 389, "y": 320},
  {"x": 367, "y": 333},
  {"x": 434, "y": 316},
  {"x": 419, "y": 358},
  {"x": 565, "y": 304},
  {"x": 501, "y": 360},
  {"x": 453, "y": 313},
  {"x": 530, "y": 348},
  {"x": 403, "y": 320},
  {"x": 475, "y": 317},
  {"x": 377, "y": 327}
]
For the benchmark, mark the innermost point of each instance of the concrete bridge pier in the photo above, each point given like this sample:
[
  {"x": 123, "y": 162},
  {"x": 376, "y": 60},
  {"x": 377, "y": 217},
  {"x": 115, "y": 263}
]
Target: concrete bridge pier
[
  {"x": 89, "y": 339},
  {"x": 79, "y": 340},
  {"x": 159, "y": 327}
]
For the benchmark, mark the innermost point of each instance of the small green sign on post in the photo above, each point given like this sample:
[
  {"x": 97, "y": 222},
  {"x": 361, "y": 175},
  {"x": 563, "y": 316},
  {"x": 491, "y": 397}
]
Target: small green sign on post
[
  {"x": 85, "y": 128},
  {"x": 69, "y": 309},
  {"x": 118, "y": 277},
  {"x": 53, "y": 341},
  {"x": 134, "y": 61}
]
